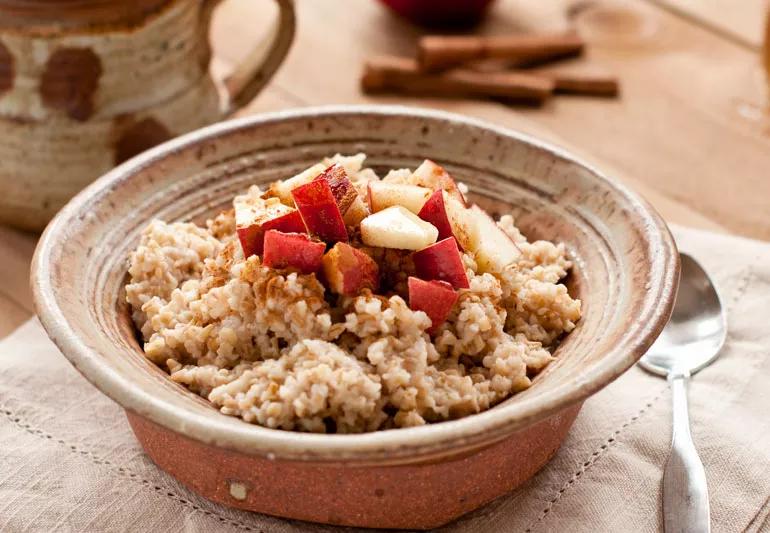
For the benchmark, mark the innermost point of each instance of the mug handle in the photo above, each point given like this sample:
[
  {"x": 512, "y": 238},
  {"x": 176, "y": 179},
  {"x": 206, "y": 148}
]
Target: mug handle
[{"x": 253, "y": 73}]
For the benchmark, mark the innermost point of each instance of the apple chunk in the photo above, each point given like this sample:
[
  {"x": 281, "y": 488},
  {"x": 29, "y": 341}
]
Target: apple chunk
[
  {"x": 320, "y": 212},
  {"x": 434, "y": 298},
  {"x": 474, "y": 230},
  {"x": 356, "y": 212},
  {"x": 255, "y": 216},
  {"x": 435, "y": 212},
  {"x": 462, "y": 223},
  {"x": 292, "y": 250},
  {"x": 383, "y": 195},
  {"x": 282, "y": 188},
  {"x": 348, "y": 270},
  {"x": 493, "y": 248},
  {"x": 450, "y": 217},
  {"x": 397, "y": 227},
  {"x": 442, "y": 261},
  {"x": 342, "y": 189},
  {"x": 433, "y": 176}
]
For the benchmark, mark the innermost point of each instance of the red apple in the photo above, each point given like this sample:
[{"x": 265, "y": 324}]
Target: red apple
[
  {"x": 473, "y": 229},
  {"x": 433, "y": 176},
  {"x": 349, "y": 270},
  {"x": 449, "y": 216},
  {"x": 292, "y": 250},
  {"x": 435, "y": 298},
  {"x": 343, "y": 190},
  {"x": 442, "y": 261},
  {"x": 440, "y": 13},
  {"x": 434, "y": 211},
  {"x": 319, "y": 210},
  {"x": 253, "y": 219}
]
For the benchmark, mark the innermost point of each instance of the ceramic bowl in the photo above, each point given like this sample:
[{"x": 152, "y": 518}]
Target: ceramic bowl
[{"x": 626, "y": 272}]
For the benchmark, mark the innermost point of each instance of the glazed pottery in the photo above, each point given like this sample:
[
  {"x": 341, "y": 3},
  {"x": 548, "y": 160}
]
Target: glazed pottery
[
  {"x": 625, "y": 270},
  {"x": 87, "y": 84}
]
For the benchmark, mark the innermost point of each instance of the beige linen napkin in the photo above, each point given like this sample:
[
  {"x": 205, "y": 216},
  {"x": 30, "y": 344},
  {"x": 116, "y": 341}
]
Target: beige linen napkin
[{"x": 69, "y": 462}]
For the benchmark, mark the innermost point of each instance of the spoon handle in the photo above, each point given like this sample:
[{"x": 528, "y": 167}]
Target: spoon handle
[{"x": 685, "y": 494}]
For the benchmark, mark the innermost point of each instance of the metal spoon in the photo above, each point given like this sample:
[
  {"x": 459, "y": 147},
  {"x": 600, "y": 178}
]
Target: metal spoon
[{"x": 691, "y": 341}]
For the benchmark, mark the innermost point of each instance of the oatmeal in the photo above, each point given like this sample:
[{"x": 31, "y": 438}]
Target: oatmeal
[{"x": 336, "y": 301}]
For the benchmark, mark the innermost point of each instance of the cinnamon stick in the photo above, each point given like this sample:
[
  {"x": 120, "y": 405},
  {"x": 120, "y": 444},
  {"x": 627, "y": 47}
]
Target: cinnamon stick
[
  {"x": 566, "y": 80},
  {"x": 583, "y": 84},
  {"x": 436, "y": 52},
  {"x": 402, "y": 75}
]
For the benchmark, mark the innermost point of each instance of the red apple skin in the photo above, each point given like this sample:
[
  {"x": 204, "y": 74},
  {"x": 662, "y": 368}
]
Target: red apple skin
[
  {"x": 435, "y": 298},
  {"x": 442, "y": 261},
  {"x": 292, "y": 250},
  {"x": 348, "y": 270},
  {"x": 320, "y": 212},
  {"x": 253, "y": 237},
  {"x": 342, "y": 188},
  {"x": 434, "y": 212}
]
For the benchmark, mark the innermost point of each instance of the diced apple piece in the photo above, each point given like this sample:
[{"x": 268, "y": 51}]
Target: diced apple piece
[
  {"x": 292, "y": 250},
  {"x": 288, "y": 223},
  {"x": 348, "y": 270},
  {"x": 254, "y": 216},
  {"x": 460, "y": 220},
  {"x": 470, "y": 226},
  {"x": 435, "y": 298},
  {"x": 435, "y": 212},
  {"x": 442, "y": 261},
  {"x": 451, "y": 218},
  {"x": 282, "y": 188},
  {"x": 343, "y": 190},
  {"x": 383, "y": 195},
  {"x": 356, "y": 212},
  {"x": 433, "y": 176},
  {"x": 493, "y": 248},
  {"x": 397, "y": 227},
  {"x": 320, "y": 212},
  {"x": 475, "y": 231}
]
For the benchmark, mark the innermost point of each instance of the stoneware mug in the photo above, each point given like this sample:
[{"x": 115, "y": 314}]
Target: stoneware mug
[{"x": 87, "y": 84}]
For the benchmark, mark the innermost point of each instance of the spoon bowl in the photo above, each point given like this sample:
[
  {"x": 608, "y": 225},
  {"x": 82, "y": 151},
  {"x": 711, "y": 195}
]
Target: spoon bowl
[{"x": 697, "y": 330}]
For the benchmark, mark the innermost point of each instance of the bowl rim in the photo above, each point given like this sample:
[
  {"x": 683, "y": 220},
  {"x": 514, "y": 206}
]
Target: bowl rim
[{"x": 397, "y": 445}]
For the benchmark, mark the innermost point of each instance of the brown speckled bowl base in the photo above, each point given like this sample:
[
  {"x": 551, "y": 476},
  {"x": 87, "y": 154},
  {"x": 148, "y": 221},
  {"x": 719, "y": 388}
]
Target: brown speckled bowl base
[{"x": 416, "y": 495}]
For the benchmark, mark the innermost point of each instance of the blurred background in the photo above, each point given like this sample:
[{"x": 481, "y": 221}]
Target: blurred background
[
  {"x": 691, "y": 124},
  {"x": 689, "y": 128}
]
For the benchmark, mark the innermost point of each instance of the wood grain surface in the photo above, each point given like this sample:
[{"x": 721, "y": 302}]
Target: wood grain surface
[
  {"x": 690, "y": 132},
  {"x": 741, "y": 21}
]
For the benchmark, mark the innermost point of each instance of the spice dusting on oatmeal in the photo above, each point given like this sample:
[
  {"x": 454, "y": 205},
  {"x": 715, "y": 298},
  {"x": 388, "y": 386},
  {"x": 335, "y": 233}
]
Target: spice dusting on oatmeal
[{"x": 336, "y": 301}]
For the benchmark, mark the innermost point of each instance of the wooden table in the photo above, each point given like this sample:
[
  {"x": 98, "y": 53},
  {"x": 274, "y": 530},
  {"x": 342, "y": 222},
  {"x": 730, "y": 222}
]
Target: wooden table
[{"x": 691, "y": 132}]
